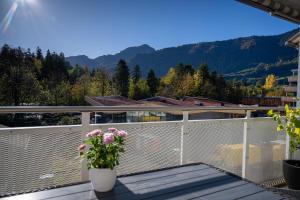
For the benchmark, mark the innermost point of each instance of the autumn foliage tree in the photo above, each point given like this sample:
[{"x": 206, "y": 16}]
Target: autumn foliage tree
[{"x": 270, "y": 82}]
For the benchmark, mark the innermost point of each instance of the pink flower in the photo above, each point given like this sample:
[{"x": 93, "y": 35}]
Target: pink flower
[
  {"x": 108, "y": 138},
  {"x": 112, "y": 129},
  {"x": 122, "y": 133},
  {"x": 93, "y": 133},
  {"x": 81, "y": 147}
]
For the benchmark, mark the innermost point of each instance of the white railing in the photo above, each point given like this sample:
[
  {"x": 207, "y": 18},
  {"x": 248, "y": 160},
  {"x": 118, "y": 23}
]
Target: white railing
[
  {"x": 41, "y": 157},
  {"x": 288, "y": 99},
  {"x": 292, "y": 78},
  {"x": 290, "y": 88}
]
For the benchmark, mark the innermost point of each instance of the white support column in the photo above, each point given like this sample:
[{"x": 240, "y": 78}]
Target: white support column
[
  {"x": 287, "y": 146},
  {"x": 245, "y": 157},
  {"x": 85, "y": 122},
  {"x": 185, "y": 119},
  {"x": 298, "y": 80}
]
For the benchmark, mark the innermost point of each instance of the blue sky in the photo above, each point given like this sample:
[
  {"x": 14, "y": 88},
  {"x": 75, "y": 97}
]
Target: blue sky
[{"x": 96, "y": 27}]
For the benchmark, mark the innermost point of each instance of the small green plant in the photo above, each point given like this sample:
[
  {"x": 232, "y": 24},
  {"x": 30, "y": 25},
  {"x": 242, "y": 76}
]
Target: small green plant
[
  {"x": 290, "y": 123},
  {"x": 103, "y": 148}
]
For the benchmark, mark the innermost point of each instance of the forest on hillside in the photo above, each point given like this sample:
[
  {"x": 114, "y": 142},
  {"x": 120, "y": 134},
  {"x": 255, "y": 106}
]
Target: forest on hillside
[{"x": 35, "y": 78}]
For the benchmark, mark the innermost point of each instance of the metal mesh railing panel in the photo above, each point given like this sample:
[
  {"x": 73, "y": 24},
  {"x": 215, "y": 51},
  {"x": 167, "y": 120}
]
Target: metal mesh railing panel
[
  {"x": 35, "y": 158},
  {"x": 149, "y": 146},
  {"x": 266, "y": 150},
  {"x": 41, "y": 157},
  {"x": 215, "y": 142}
]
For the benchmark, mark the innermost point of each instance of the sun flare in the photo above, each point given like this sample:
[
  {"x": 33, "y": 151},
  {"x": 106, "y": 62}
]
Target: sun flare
[{"x": 6, "y": 21}]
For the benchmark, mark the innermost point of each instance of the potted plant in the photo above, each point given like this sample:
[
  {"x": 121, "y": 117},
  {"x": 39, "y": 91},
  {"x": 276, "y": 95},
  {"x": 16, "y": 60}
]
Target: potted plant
[
  {"x": 102, "y": 152},
  {"x": 290, "y": 123}
]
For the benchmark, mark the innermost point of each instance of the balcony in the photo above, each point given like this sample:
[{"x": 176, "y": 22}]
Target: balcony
[
  {"x": 292, "y": 78},
  {"x": 290, "y": 88},
  {"x": 288, "y": 99},
  {"x": 38, "y": 158}
]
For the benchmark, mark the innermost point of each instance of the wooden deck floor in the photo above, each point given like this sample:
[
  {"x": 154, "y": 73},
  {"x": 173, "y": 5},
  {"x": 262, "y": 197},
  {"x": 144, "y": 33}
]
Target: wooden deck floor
[{"x": 188, "y": 182}]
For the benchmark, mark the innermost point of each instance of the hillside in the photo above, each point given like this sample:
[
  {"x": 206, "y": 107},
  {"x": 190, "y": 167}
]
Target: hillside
[
  {"x": 228, "y": 56},
  {"x": 280, "y": 69}
]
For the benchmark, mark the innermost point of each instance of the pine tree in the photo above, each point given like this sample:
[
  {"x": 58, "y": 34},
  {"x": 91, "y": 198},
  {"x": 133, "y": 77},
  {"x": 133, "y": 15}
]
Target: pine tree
[
  {"x": 39, "y": 54},
  {"x": 121, "y": 78},
  {"x": 136, "y": 74},
  {"x": 204, "y": 73},
  {"x": 152, "y": 82}
]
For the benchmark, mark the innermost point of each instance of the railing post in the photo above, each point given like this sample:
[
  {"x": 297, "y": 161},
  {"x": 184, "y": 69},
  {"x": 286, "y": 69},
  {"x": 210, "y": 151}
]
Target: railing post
[
  {"x": 245, "y": 144},
  {"x": 85, "y": 122},
  {"x": 185, "y": 119}
]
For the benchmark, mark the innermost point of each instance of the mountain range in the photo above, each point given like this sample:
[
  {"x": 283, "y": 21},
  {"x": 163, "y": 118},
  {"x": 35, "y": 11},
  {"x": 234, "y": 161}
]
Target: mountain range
[{"x": 233, "y": 58}]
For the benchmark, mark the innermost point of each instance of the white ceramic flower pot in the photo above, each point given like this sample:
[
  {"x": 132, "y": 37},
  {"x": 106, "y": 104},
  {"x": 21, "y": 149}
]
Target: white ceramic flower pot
[{"x": 103, "y": 180}]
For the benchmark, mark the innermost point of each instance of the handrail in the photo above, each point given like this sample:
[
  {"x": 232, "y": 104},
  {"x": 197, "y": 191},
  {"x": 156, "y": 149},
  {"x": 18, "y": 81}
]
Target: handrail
[{"x": 74, "y": 109}]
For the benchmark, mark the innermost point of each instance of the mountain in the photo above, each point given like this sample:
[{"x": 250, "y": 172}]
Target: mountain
[
  {"x": 82, "y": 60},
  {"x": 110, "y": 60},
  {"x": 280, "y": 69},
  {"x": 228, "y": 56}
]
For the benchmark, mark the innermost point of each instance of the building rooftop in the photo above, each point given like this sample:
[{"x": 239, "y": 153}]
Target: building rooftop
[
  {"x": 293, "y": 41},
  {"x": 186, "y": 101},
  {"x": 285, "y": 9},
  {"x": 110, "y": 101},
  {"x": 165, "y": 101},
  {"x": 202, "y": 101}
]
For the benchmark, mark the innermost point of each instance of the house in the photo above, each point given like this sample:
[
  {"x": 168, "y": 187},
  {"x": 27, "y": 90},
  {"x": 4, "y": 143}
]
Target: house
[
  {"x": 159, "y": 101},
  {"x": 111, "y": 117},
  {"x": 212, "y": 114},
  {"x": 291, "y": 89},
  {"x": 262, "y": 101}
]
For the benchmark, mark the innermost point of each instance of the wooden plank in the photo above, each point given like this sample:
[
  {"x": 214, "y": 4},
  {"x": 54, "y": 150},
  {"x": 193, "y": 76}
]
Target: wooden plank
[
  {"x": 156, "y": 192},
  {"x": 87, "y": 195},
  {"x": 234, "y": 193},
  {"x": 161, "y": 173},
  {"x": 262, "y": 196},
  {"x": 199, "y": 190},
  {"x": 52, "y": 192},
  {"x": 159, "y": 186},
  {"x": 191, "y": 176}
]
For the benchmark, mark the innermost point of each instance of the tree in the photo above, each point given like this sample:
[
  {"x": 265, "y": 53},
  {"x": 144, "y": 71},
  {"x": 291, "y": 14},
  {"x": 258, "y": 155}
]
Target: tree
[
  {"x": 168, "y": 83},
  {"x": 152, "y": 82},
  {"x": 121, "y": 78},
  {"x": 204, "y": 73},
  {"x": 63, "y": 93},
  {"x": 77, "y": 94},
  {"x": 138, "y": 91},
  {"x": 55, "y": 69},
  {"x": 75, "y": 73},
  {"x": 270, "y": 82},
  {"x": 143, "y": 89},
  {"x": 197, "y": 82},
  {"x": 100, "y": 83},
  {"x": 136, "y": 74},
  {"x": 170, "y": 77},
  {"x": 186, "y": 86},
  {"x": 39, "y": 54},
  {"x": 132, "y": 90},
  {"x": 18, "y": 80}
]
